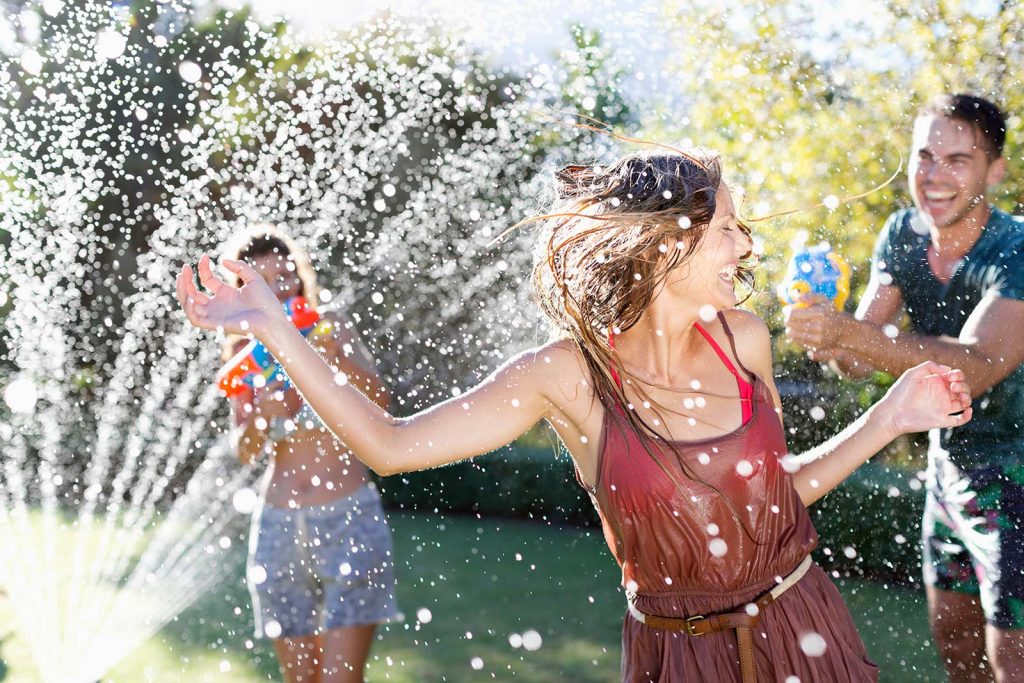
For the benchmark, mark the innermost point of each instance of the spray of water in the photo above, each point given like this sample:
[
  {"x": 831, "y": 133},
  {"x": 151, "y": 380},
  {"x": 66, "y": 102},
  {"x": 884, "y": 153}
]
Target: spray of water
[{"x": 391, "y": 152}]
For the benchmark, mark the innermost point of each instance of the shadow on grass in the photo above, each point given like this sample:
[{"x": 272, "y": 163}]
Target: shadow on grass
[
  {"x": 482, "y": 582},
  {"x": 471, "y": 588},
  {"x": 3, "y": 663}
]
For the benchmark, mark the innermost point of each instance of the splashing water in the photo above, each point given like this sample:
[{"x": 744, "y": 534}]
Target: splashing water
[{"x": 131, "y": 144}]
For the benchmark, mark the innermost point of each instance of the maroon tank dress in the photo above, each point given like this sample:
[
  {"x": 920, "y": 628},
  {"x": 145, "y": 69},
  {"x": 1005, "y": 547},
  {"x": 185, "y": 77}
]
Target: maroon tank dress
[{"x": 686, "y": 549}]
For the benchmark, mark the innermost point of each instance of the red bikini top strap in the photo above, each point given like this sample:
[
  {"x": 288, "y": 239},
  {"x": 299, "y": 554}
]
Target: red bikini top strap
[
  {"x": 720, "y": 352},
  {"x": 746, "y": 388},
  {"x": 615, "y": 373}
]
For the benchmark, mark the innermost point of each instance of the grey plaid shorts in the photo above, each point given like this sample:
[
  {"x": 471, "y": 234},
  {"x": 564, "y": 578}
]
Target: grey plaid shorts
[{"x": 316, "y": 568}]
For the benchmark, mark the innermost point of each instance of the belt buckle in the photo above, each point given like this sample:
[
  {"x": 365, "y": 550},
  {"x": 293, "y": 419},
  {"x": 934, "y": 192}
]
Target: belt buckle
[{"x": 690, "y": 622}]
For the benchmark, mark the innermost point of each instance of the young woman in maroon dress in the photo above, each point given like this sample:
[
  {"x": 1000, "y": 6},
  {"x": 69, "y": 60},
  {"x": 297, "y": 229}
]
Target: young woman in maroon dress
[{"x": 662, "y": 392}]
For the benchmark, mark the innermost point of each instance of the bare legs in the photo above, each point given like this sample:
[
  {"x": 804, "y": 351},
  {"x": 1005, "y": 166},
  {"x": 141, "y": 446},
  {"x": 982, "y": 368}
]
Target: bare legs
[
  {"x": 335, "y": 656},
  {"x": 972, "y": 650}
]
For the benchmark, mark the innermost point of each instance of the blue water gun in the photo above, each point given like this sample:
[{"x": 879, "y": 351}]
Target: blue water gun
[{"x": 815, "y": 270}]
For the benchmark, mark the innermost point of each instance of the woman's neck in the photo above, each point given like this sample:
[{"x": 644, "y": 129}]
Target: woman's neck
[{"x": 664, "y": 334}]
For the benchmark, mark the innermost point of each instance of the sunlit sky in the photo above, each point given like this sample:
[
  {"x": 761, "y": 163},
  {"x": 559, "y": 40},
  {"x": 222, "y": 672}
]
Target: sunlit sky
[{"x": 523, "y": 33}]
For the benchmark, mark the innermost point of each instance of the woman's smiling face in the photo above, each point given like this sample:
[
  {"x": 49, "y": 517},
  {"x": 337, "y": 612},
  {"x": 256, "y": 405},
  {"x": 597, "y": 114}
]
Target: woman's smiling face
[{"x": 709, "y": 274}]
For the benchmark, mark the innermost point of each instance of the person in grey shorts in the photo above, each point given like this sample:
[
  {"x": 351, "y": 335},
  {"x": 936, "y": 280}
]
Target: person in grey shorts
[{"x": 321, "y": 567}]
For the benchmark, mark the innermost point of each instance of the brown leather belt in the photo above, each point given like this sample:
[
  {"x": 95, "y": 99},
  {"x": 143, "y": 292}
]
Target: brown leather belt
[{"x": 741, "y": 622}]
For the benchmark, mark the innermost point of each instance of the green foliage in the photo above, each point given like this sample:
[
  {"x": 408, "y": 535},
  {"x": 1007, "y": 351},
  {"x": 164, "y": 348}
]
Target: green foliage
[
  {"x": 530, "y": 481},
  {"x": 803, "y": 108},
  {"x": 875, "y": 513}
]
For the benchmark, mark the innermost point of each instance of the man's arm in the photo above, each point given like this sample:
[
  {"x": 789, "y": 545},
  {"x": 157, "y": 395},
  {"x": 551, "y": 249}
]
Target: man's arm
[
  {"x": 881, "y": 305},
  {"x": 985, "y": 350}
]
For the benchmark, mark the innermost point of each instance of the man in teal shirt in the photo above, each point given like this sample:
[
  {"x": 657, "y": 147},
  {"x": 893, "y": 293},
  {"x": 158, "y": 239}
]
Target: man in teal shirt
[{"x": 955, "y": 265}]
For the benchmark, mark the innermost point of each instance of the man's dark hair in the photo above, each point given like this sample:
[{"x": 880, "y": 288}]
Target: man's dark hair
[{"x": 984, "y": 116}]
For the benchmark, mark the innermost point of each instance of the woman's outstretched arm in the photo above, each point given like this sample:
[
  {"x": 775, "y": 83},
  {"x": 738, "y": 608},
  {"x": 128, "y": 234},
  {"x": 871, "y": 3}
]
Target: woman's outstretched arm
[
  {"x": 925, "y": 397},
  {"x": 492, "y": 414}
]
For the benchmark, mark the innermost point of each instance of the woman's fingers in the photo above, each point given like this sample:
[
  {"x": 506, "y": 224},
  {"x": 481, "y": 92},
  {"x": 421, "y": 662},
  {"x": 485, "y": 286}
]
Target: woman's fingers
[
  {"x": 241, "y": 269},
  {"x": 929, "y": 368},
  {"x": 193, "y": 302},
  {"x": 956, "y": 375},
  {"x": 959, "y": 418},
  {"x": 207, "y": 276}
]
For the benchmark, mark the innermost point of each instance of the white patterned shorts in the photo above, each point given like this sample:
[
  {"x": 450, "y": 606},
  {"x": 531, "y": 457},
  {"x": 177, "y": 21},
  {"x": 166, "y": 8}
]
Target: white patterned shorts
[{"x": 320, "y": 567}]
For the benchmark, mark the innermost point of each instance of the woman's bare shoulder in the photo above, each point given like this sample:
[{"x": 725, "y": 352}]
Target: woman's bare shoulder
[
  {"x": 556, "y": 364},
  {"x": 753, "y": 339}
]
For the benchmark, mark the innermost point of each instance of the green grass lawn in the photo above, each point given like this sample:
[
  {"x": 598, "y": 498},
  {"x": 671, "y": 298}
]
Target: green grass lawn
[{"x": 482, "y": 581}]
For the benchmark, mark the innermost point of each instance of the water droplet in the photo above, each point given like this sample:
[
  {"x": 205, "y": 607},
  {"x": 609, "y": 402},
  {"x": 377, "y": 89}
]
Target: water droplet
[
  {"x": 476, "y": 663},
  {"x": 704, "y": 458},
  {"x": 31, "y": 62},
  {"x": 377, "y": 298},
  {"x": 345, "y": 569},
  {"x": 713, "y": 529},
  {"x": 110, "y": 44},
  {"x": 21, "y": 395},
  {"x": 817, "y": 413},
  {"x": 189, "y": 71},
  {"x": 744, "y": 468},
  {"x": 423, "y": 615},
  {"x": 718, "y": 547},
  {"x": 244, "y": 500},
  {"x": 531, "y": 640},
  {"x": 831, "y": 202},
  {"x": 272, "y": 629},
  {"x": 257, "y": 574},
  {"x": 812, "y": 644},
  {"x": 707, "y": 313},
  {"x": 685, "y": 223}
]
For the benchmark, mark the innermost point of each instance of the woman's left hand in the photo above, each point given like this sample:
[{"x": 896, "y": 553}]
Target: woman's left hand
[{"x": 925, "y": 397}]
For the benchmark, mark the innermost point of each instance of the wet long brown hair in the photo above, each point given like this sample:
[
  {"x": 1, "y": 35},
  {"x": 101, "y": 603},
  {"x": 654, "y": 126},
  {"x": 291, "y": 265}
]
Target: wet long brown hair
[
  {"x": 607, "y": 248},
  {"x": 609, "y": 245}
]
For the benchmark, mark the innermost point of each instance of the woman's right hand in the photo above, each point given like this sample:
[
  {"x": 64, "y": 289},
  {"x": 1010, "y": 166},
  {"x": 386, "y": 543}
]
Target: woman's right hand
[
  {"x": 248, "y": 309},
  {"x": 925, "y": 397}
]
